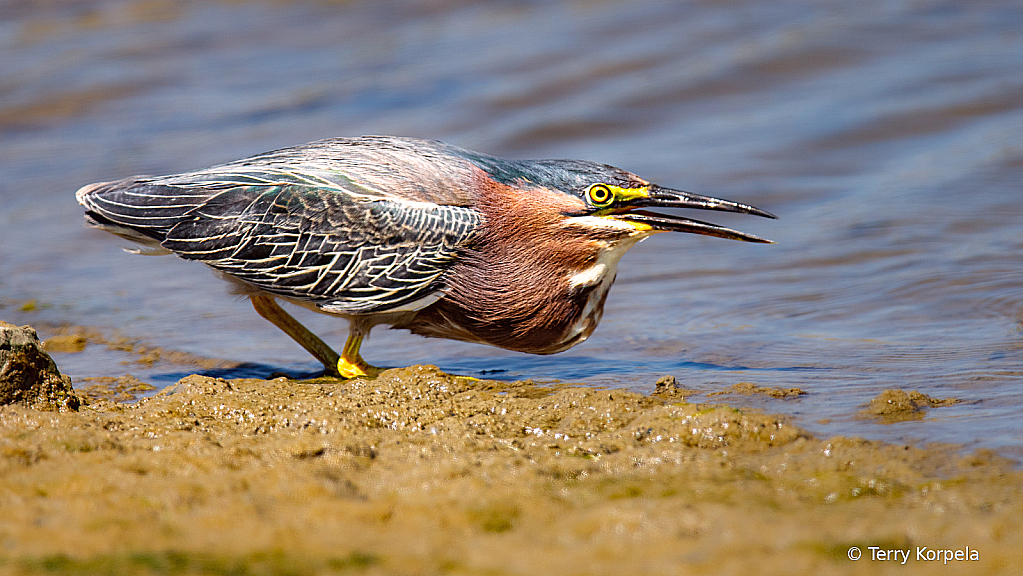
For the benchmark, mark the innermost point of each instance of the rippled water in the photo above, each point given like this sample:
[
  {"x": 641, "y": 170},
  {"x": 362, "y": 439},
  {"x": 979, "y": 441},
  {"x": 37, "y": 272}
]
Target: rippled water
[{"x": 887, "y": 135}]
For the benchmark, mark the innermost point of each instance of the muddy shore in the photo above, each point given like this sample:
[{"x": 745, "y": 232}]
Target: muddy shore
[{"x": 419, "y": 472}]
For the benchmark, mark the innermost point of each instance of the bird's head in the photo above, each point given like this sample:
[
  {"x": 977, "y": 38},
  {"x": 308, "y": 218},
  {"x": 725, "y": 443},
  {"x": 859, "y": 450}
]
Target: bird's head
[{"x": 609, "y": 202}]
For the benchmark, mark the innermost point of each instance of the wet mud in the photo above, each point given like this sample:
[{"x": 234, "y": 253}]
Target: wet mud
[
  {"x": 891, "y": 406},
  {"x": 70, "y": 339},
  {"x": 749, "y": 389},
  {"x": 419, "y": 472}
]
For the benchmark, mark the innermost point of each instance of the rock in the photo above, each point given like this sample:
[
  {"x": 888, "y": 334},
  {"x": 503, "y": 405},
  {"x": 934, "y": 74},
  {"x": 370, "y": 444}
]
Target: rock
[
  {"x": 666, "y": 383},
  {"x": 667, "y": 387},
  {"x": 749, "y": 389},
  {"x": 28, "y": 375},
  {"x": 896, "y": 405}
]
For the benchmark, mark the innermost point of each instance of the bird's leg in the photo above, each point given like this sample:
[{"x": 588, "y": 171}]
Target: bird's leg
[
  {"x": 351, "y": 364},
  {"x": 347, "y": 365},
  {"x": 268, "y": 308}
]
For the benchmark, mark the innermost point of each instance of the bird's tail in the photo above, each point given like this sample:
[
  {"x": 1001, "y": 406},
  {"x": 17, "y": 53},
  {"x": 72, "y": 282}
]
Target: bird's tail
[{"x": 133, "y": 209}]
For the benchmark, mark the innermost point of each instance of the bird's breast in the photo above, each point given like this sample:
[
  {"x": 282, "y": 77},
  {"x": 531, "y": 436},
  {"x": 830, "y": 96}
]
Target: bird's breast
[
  {"x": 591, "y": 285},
  {"x": 534, "y": 307}
]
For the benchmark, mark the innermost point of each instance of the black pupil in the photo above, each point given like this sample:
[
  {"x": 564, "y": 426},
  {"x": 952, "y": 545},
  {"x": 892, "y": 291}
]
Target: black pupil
[{"x": 600, "y": 194}]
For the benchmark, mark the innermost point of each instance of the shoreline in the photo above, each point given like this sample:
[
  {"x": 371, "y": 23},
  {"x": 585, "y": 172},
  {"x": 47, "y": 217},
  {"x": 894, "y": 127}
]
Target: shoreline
[{"x": 422, "y": 472}]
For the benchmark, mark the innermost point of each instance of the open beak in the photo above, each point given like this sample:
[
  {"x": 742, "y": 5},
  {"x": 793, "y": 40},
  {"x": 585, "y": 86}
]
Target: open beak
[{"x": 659, "y": 197}]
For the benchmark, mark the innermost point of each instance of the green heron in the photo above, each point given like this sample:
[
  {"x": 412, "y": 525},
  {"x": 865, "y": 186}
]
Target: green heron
[{"x": 416, "y": 234}]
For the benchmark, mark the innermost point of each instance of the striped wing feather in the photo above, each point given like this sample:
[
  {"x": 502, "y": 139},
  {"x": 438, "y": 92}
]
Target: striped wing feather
[{"x": 334, "y": 242}]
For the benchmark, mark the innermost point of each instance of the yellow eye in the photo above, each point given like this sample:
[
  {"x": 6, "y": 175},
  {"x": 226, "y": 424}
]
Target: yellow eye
[{"x": 600, "y": 195}]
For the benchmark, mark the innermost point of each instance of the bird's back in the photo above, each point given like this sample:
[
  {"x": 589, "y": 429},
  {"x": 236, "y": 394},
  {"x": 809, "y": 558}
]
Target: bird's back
[{"x": 342, "y": 223}]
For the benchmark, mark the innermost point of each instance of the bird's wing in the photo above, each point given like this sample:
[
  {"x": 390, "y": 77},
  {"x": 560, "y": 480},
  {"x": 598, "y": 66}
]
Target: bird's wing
[{"x": 324, "y": 239}]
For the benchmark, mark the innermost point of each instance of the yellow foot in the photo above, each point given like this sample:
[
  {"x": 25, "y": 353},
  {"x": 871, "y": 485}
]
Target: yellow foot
[{"x": 356, "y": 369}]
